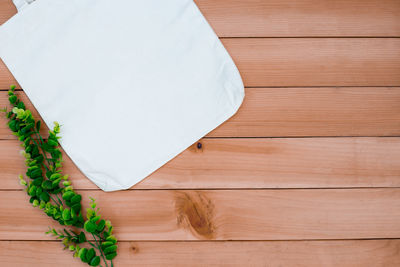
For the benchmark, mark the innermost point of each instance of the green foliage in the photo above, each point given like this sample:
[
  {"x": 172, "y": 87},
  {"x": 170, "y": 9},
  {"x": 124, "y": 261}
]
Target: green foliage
[{"x": 52, "y": 192}]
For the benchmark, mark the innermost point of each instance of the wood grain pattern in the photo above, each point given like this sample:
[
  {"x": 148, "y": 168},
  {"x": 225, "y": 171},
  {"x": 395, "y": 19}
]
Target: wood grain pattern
[
  {"x": 259, "y": 201},
  {"x": 316, "y": 61},
  {"x": 225, "y": 214},
  {"x": 276, "y": 254},
  {"x": 309, "y": 61},
  {"x": 285, "y": 18},
  {"x": 291, "y": 112},
  {"x": 253, "y": 163},
  {"x": 7, "y": 10}
]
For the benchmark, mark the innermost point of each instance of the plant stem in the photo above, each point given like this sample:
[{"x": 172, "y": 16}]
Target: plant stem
[
  {"x": 101, "y": 251},
  {"x": 55, "y": 201},
  {"x": 44, "y": 153},
  {"x": 44, "y": 165}
]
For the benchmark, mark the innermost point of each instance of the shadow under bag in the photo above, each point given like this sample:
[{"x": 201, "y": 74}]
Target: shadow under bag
[{"x": 133, "y": 83}]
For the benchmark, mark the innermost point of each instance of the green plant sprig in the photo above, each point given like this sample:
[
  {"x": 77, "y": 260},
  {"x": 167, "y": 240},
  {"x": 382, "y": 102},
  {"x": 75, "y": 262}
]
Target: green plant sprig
[{"x": 52, "y": 192}]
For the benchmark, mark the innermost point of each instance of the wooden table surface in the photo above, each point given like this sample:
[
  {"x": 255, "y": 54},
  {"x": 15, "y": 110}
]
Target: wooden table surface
[{"x": 307, "y": 173}]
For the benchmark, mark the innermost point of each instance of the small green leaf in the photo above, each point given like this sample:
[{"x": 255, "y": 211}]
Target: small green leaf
[
  {"x": 37, "y": 181},
  {"x": 95, "y": 261},
  {"x": 82, "y": 254},
  {"x": 111, "y": 256},
  {"x": 112, "y": 239},
  {"x": 90, "y": 227},
  {"x": 90, "y": 254},
  {"x": 81, "y": 237},
  {"x": 47, "y": 184},
  {"x": 110, "y": 249},
  {"x": 66, "y": 215},
  {"x": 38, "y": 125},
  {"x": 76, "y": 207},
  {"x": 44, "y": 196},
  {"x": 52, "y": 143},
  {"x": 21, "y": 105},
  {"x": 54, "y": 176},
  {"x": 95, "y": 219},
  {"x": 76, "y": 199},
  {"x": 106, "y": 244},
  {"x": 68, "y": 195},
  {"x": 12, "y": 99},
  {"x": 101, "y": 225},
  {"x": 39, "y": 191}
]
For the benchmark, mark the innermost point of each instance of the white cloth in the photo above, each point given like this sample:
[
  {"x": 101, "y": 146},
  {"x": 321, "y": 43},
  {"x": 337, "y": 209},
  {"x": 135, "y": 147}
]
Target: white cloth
[{"x": 133, "y": 83}]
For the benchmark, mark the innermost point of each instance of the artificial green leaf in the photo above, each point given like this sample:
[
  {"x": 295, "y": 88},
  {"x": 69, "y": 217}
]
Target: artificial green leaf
[
  {"x": 54, "y": 176},
  {"x": 38, "y": 125},
  {"x": 111, "y": 256},
  {"x": 101, "y": 225},
  {"x": 90, "y": 226},
  {"x": 95, "y": 219},
  {"x": 52, "y": 142},
  {"x": 37, "y": 181},
  {"x": 90, "y": 254},
  {"x": 44, "y": 196},
  {"x": 12, "y": 99},
  {"x": 110, "y": 249},
  {"x": 106, "y": 244},
  {"x": 82, "y": 254},
  {"x": 76, "y": 207},
  {"x": 39, "y": 190},
  {"x": 13, "y": 125},
  {"x": 21, "y": 105},
  {"x": 76, "y": 199},
  {"x": 35, "y": 173},
  {"x": 47, "y": 184},
  {"x": 81, "y": 237},
  {"x": 68, "y": 195},
  {"x": 55, "y": 183},
  {"x": 112, "y": 239},
  {"x": 66, "y": 215},
  {"x": 95, "y": 261}
]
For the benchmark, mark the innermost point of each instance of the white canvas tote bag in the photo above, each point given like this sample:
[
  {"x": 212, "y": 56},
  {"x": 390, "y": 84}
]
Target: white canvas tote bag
[{"x": 132, "y": 82}]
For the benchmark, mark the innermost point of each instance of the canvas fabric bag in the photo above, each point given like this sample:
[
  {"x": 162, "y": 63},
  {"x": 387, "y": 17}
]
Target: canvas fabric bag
[{"x": 133, "y": 83}]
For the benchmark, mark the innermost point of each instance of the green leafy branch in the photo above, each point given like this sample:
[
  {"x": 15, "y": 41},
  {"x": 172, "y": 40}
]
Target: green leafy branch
[{"x": 52, "y": 192}]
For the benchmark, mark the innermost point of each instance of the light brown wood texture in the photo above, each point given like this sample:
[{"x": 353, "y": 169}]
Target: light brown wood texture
[
  {"x": 7, "y": 10},
  {"x": 297, "y": 214},
  {"x": 323, "y": 79},
  {"x": 309, "y": 61},
  {"x": 253, "y": 163},
  {"x": 276, "y": 254},
  {"x": 286, "y": 18},
  {"x": 316, "y": 61},
  {"x": 298, "y": 112}
]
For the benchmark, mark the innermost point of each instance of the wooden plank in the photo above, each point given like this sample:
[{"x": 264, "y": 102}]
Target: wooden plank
[
  {"x": 317, "y": 61},
  {"x": 253, "y": 163},
  {"x": 224, "y": 214},
  {"x": 278, "y": 253},
  {"x": 7, "y": 10},
  {"x": 309, "y": 61},
  {"x": 299, "y": 112},
  {"x": 285, "y": 18},
  {"x": 283, "y": 112}
]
